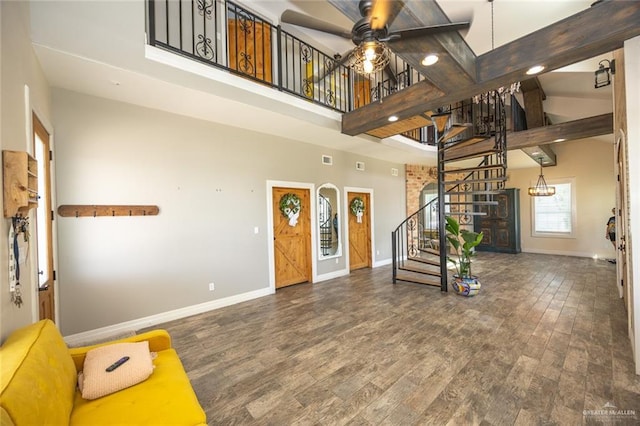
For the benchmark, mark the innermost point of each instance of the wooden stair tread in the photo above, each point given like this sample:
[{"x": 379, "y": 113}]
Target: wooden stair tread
[
  {"x": 415, "y": 280},
  {"x": 479, "y": 192},
  {"x": 467, "y": 213},
  {"x": 419, "y": 270},
  {"x": 478, "y": 203},
  {"x": 426, "y": 261},
  {"x": 457, "y": 157},
  {"x": 454, "y": 131},
  {"x": 466, "y": 142},
  {"x": 440, "y": 120},
  {"x": 477, "y": 169},
  {"x": 489, "y": 179}
]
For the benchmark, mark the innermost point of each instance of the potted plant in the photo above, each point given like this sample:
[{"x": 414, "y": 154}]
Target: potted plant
[{"x": 463, "y": 242}]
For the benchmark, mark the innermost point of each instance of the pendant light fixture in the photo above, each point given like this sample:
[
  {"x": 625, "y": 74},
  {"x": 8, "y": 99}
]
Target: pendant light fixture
[{"x": 541, "y": 189}]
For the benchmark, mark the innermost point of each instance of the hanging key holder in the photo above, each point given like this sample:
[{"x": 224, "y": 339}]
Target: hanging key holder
[{"x": 19, "y": 225}]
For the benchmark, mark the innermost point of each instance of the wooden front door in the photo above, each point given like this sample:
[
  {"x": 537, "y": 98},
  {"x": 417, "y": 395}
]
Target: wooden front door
[
  {"x": 292, "y": 239},
  {"x": 359, "y": 232}
]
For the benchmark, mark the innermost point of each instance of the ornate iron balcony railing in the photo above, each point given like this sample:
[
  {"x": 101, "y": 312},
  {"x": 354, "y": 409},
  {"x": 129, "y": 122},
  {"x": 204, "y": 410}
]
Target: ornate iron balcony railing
[{"x": 230, "y": 37}]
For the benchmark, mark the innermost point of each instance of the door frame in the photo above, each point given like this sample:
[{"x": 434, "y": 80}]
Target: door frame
[
  {"x": 345, "y": 214},
  {"x": 29, "y": 110},
  {"x": 271, "y": 256}
]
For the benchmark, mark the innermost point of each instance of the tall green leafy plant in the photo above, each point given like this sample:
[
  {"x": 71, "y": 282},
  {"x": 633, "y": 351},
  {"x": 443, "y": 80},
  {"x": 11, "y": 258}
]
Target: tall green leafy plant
[{"x": 463, "y": 241}]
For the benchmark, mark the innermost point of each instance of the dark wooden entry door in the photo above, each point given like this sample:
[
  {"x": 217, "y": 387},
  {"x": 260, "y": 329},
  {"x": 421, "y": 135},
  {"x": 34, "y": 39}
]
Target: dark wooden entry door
[
  {"x": 501, "y": 225},
  {"x": 359, "y": 233},
  {"x": 292, "y": 242}
]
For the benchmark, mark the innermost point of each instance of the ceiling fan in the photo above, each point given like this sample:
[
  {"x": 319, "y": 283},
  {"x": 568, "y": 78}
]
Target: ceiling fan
[{"x": 371, "y": 34}]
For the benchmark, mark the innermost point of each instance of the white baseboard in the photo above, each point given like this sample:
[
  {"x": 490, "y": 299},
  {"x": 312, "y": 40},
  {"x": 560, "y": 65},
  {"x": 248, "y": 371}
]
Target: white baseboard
[
  {"x": 331, "y": 275},
  {"x": 557, "y": 252},
  {"x": 112, "y": 330},
  {"x": 382, "y": 263}
]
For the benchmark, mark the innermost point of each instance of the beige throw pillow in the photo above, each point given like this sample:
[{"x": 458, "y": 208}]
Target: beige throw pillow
[{"x": 94, "y": 381}]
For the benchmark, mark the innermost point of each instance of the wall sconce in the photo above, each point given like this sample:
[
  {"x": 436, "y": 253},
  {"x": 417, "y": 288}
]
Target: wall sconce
[{"x": 603, "y": 73}]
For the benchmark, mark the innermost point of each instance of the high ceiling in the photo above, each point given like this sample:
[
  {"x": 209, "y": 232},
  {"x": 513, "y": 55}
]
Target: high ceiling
[
  {"x": 93, "y": 63},
  {"x": 570, "y": 92}
]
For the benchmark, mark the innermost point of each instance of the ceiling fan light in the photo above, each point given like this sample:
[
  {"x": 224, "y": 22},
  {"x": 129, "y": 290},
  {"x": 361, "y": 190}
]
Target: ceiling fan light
[
  {"x": 535, "y": 69},
  {"x": 370, "y": 52},
  {"x": 430, "y": 59},
  {"x": 367, "y": 66}
]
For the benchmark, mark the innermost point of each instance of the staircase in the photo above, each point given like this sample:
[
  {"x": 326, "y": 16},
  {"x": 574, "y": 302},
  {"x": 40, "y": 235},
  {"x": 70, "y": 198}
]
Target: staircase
[{"x": 472, "y": 164}]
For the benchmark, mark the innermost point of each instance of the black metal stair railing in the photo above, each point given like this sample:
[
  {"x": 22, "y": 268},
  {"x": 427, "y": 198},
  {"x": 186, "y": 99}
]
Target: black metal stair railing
[
  {"x": 415, "y": 245},
  {"x": 418, "y": 243},
  {"x": 228, "y": 36}
]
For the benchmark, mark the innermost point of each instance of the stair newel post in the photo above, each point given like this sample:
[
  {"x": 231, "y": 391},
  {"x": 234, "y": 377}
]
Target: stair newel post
[
  {"x": 393, "y": 256},
  {"x": 441, "y": 215}
]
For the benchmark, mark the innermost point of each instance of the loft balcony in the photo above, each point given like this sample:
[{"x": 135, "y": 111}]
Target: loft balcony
[{"x": 230, "y": 37}]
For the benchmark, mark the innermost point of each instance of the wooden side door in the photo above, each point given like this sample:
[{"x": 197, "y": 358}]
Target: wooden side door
[
  {"x": 44, "y": 231},
  {"x": 292, "y": 244},
  {"x": 359, "y": 233}
]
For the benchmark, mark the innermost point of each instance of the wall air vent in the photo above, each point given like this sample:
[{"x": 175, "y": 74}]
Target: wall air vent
[{"x": 327, "y": 160}]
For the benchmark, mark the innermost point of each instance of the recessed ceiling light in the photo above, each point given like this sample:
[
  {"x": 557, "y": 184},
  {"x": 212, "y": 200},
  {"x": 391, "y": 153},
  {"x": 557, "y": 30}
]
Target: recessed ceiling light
[
  {"x": 535, "y": 69},
  {"x": 430, "y": 59},
  {"x": 393, "y": 118},
  {"x": 560, "y": 140}
]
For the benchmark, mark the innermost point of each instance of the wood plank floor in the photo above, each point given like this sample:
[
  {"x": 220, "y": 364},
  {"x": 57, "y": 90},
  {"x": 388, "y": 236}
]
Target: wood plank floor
[{"x": 545, "y": 340}]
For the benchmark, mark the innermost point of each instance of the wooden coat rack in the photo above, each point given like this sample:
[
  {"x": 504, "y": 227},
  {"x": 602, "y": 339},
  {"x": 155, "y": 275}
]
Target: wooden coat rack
[{"x": 84, "y": 210}]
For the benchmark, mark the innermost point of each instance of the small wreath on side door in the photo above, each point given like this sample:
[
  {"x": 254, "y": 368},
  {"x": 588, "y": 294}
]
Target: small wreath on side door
[
  {"x": 290, "y": 204},
  {"x": 357, "y": 206}
]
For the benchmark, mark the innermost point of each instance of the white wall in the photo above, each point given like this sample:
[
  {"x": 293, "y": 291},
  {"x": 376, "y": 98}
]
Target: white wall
[
  {"x": 632, "y": 81},
  {"x": 590, "y": 162},
  {"x": 209, "y": 181},
  {"x": 19, "y": 67}
]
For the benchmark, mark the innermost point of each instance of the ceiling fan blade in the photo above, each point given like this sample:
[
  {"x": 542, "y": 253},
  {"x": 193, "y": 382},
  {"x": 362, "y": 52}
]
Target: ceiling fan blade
[
  {"x": 384, "y": 12},
  {"x": 335, "y": 65},
  {"x": 426, "y": 31},
  {"x": 302, "y": 20}
]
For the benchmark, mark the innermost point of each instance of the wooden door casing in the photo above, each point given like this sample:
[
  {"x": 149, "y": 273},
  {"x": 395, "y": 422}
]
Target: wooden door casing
[
  {"x": 359, "y": 233},
  {"x": 291, "y": 244}
]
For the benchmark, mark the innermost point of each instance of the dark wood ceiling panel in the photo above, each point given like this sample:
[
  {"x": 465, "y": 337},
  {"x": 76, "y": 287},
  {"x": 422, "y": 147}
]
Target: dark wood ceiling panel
[
  {"x": 390, "y": 105},
  {"x": 398, "y": 127}
]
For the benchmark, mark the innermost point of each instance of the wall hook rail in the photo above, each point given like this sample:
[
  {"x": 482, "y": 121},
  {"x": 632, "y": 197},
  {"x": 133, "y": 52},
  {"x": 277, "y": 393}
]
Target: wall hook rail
[{"x": 86, "y": 210}]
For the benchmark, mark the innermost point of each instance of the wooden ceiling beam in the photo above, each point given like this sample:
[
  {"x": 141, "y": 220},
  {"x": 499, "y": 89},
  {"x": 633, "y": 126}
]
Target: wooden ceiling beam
[
  {"x": 570, "y": 130},
  {"x": 597, "y": 30}
]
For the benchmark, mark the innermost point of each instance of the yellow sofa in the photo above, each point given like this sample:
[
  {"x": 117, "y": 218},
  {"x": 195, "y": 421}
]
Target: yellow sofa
[{"x": 38, "y": 376}]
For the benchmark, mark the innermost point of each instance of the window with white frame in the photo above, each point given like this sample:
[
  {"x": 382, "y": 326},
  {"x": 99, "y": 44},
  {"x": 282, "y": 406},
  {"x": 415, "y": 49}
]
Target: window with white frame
[{"x": 555, "y": 216}]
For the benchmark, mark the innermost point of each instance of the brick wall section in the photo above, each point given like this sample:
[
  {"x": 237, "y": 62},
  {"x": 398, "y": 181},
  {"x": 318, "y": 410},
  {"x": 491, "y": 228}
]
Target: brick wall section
[{"x": 416, "y": 179}]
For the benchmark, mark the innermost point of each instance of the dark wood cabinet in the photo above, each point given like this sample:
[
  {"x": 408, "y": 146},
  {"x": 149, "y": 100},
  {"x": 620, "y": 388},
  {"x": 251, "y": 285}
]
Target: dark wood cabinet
[{"x": 501, "y": 225}]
